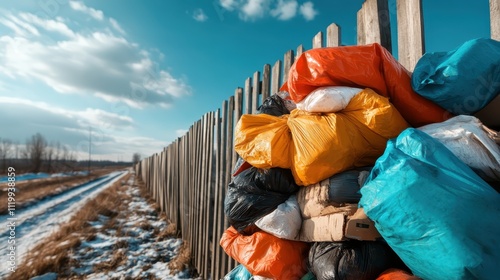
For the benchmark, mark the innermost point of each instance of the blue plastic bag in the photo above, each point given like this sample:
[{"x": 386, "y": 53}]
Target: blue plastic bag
[
  {"x": 238, "y": 273},
  {"x": 439, "y": 217},
  {"x": 461, "y": 81}
]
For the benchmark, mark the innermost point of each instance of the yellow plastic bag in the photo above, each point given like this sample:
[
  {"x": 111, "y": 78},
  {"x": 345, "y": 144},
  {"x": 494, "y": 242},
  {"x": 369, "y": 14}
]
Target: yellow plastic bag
[{"x": 316, "y": 146}]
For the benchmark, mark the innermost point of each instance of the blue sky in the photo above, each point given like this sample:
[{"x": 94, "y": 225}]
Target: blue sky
[{"x": 140, "y": 73}]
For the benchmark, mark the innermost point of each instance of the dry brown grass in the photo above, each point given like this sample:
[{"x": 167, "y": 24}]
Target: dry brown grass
[
  {"x": 170, "y": 231},
  {"x": 145, "y": 193},
  {"x": 119, "y": 257},
  {"x": 40, "y": 188},
  {"x": 52, "y": 254},
  {"x": 182, "y": 261}
]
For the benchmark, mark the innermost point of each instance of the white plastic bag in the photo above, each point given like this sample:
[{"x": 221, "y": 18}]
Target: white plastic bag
[
  {"x": 467, "y": 138},
  {"x": 284, "y": 222},
  {"x": 328, "y": 99}
]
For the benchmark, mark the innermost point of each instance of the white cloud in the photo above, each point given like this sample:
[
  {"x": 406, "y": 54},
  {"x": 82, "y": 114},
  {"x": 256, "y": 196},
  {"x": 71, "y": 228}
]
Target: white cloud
[
  {"x": 80, "y": 6},
  {"x": 75, "y": 119},
  {"x": 199, "y": 15},
  {"x": 19, "y": 27},
  {"x": 285, "y": 10},
  {"x": 250, "y": 10},
  {"x": 116, "y": 26},
  {"x": 100, "y": 64},
  {"x": 229, "y": 4},
  {"x": 254, "y": 9},
  {"x": 307, "y": 11},
  {"x": 25, "y": 25},
  {"x": 48, "y": 24}
]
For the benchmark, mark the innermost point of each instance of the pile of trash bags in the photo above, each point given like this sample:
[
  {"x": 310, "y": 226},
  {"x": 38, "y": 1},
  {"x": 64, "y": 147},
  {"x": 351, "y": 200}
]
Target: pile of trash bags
[{"x": 359, "y": 170}]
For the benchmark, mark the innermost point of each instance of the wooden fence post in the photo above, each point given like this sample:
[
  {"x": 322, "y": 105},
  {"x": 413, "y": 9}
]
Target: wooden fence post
[
  {"x": 411, "y": 44},
  {"x": 300, "y": 50},
  {"x": 317, "y": 40},
  {"x": 248, "y": 96},
  {"x": 288, "y": 61},
  {"x": 333, "y": 35},
  {"x": 255, "y": 91},
  {"x": 209, "y": 211},
  {"x": 374, "y": 24},
  {"x": 266, "y": 82},
  {"x": 276, "y": 77},
  {"x": 495, "y": 19},
  {"x": 218, "y": 206}
]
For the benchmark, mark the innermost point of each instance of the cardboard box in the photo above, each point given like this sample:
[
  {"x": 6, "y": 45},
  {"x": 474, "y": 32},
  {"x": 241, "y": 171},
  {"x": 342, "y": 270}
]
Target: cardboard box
[
  {"x": 338, "y": 227},
  {"x": 323, "y": 228},
  {"x": 313, "y": 201},
  {"x": 360, "y": 227}
]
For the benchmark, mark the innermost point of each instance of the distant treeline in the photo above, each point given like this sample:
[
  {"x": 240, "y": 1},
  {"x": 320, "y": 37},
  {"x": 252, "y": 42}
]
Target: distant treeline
[{"x": 37, "y": 155}]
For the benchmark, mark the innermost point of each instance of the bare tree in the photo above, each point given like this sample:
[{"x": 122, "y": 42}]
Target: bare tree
[
  {"x": 16, "y": 149},
  {"x": 49, "y": 151},
  {"x": 136, "y": 157},
  {"x": 35, "y": 151},
  {"x": 5, "y": 151}
]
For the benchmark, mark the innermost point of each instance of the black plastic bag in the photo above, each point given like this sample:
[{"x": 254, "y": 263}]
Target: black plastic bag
[
  {"x": 351, "y": 260},
  {"x": 240, "y": 165},
  {"x": 344, "y": 186},
  {"x": 273, "y": 105},
  {"x": 255, "y": 193}
]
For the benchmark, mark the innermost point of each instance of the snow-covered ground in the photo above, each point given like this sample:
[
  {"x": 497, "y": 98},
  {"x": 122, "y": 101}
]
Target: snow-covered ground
[
  {"x": 146, "y": 257},
  {"x": 41, "y": 175},
  {"x": 141, "y": 253},
  {"x": 34, "y": 223}
]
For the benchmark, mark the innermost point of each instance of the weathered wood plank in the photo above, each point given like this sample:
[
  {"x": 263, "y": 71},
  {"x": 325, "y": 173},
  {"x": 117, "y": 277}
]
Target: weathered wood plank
[
  {"x": 163, "y": 202},
  {"x": 374, "y": 24},
  {"x": 300, "y": 50},
  {"x": 287, "y": 64},
  {"x": 223, "y": 172},
  {"x": 255, "y": 91},
  {"x": 410, "y": 32},
  {"x": 209, "y": 210},
  {"x": 266, "y": 82},
  {"x": 189, "y": 175},
  {"x": 495, "y": 19},
  {"x": 218, "y": 207},
  {"x": 155, "y": 177},
  {"x": 317, "y": 41},
  {"x": 238, "y": 103},
  {"x": 229, "y": 158},
  {"x": 248, "y": 96},
  {"x": 203, "y": 195},
  {"x": 237, "y": 115},
  {"x": 276, "y": 77},
  {"x": 333, "y": 35},
  {"x": 199, "y": 194}
]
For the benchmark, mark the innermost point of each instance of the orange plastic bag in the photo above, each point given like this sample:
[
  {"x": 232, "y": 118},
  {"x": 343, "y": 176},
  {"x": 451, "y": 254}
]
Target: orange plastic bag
[
  {"x": 316, "y": 146},
  {"x": 369, "y": 66},
  {"x": 266, "y": 255},
  {"x": 396, "y": 274}
]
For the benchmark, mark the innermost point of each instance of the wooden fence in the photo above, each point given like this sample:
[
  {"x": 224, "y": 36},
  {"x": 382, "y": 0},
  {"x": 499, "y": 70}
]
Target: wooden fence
[{"x": 189, "y": 177}]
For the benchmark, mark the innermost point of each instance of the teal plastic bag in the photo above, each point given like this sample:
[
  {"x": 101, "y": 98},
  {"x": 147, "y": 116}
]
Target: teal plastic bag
[
  {"x": 238, "y": 273},
  {"x": 439, "y": 217},
  {"x": 308, "y": 276},
  {"x": 461, "y": 81}
]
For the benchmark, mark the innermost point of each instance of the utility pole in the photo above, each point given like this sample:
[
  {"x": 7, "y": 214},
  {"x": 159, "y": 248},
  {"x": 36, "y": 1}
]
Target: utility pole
[{"x": 90, "y": 145}]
